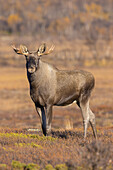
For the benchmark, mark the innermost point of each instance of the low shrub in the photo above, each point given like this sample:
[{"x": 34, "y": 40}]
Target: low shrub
[
  {"x": 61, "y": 167},
  {"x": 49, "y": 167},
  {"x": 97, "y": 156},
  {"x": 18, "y": 165},
  {"x": 32, "y": 166}
]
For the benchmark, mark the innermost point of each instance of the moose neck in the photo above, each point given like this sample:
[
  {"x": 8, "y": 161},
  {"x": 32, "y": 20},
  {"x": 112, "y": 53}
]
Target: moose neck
[
  {"x": 41, "y": 74},
  {"x": 32, "y": 76}
]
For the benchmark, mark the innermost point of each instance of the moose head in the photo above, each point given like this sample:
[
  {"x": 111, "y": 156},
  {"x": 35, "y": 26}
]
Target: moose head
[{"x": 32, "y": 58}]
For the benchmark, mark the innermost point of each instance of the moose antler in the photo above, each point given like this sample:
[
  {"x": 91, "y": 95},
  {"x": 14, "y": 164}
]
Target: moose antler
[
  {"x": 42, "y": 50},
  {"x": 22, "y": 50}
]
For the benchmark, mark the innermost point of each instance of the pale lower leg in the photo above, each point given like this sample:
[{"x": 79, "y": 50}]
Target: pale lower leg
[
  {"x": 48, "y": 117},
  {"x": 85, "y": 114},
  {"x": 92, "y": 122}
]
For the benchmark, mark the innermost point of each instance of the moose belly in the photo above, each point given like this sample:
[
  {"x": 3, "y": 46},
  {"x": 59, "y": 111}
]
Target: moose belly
[{"x": 66, "y": 100}]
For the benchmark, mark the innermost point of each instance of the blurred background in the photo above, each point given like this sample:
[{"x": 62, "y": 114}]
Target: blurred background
[{"x": 82, "y": 32}]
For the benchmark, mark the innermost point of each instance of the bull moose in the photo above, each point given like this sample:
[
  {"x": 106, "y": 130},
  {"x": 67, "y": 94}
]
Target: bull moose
[{"x": 50, "y": 86}]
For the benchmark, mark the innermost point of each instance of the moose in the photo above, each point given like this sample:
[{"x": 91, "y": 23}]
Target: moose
[{"x": 50, "y": 86}]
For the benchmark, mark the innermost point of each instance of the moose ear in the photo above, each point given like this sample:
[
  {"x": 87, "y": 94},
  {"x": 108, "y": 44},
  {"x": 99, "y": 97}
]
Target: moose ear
[{"x": 42, "y": 49}]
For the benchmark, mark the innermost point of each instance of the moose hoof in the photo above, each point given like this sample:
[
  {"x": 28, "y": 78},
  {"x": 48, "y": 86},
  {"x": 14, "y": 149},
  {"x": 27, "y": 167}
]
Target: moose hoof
[
  {"x": 44, "y": 131},
  {"x": 48, "y": 131}
]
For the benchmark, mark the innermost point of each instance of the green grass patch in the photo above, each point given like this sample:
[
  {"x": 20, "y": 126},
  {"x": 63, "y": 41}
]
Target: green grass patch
[
  {"x": 29, "y": 144},
  {"x": 18, "y": 165},
  {"x": 32, "y": 166},
  {"x": 61, "y": 167},
  {"x": 42, "y": 137},
  {"x": 21, "y": 135},
  {"x": 49, "y": 167}
]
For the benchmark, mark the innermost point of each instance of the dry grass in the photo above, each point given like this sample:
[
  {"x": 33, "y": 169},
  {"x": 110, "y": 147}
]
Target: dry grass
[
  {"x": 62, "y": 147},
  {"x": 67, "y": 147},
  {"x": 17, "y": 106}
]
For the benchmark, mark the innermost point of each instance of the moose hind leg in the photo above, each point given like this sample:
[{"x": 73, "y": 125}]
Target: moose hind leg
[
  {"x": 92, "y": 123},
  {"x": 85, "y": 114}
]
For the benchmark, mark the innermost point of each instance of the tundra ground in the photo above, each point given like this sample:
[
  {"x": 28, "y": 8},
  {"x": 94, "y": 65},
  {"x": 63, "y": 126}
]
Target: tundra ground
[
  {"x": 22, "y": 145},
  {"x": 18, "y": 120}
]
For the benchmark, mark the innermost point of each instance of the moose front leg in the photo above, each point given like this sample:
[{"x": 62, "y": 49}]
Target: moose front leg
[
  {"x": 41, "y": 113},
  {"x": 48, "y": 117}
]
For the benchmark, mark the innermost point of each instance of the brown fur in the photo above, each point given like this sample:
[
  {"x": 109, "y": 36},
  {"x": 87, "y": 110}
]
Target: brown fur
[{"x": 50, "y": 86}]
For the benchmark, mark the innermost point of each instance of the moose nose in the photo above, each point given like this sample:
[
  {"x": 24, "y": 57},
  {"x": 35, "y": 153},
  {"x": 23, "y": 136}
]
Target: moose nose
[{"x": 31, "y": 69}]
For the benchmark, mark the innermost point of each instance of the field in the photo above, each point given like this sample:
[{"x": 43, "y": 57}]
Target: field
[
  {"x": 22, "y": 145},
  {"x": 82, "y": 32}
]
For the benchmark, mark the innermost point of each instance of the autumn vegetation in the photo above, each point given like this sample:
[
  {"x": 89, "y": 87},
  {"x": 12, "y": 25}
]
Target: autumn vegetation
[
  {"x": 63, "y": 150},
  {"x": 70, "y": 18},
  {"x": 82, "y": 32},
  {"x": 86, "y": 27}
]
